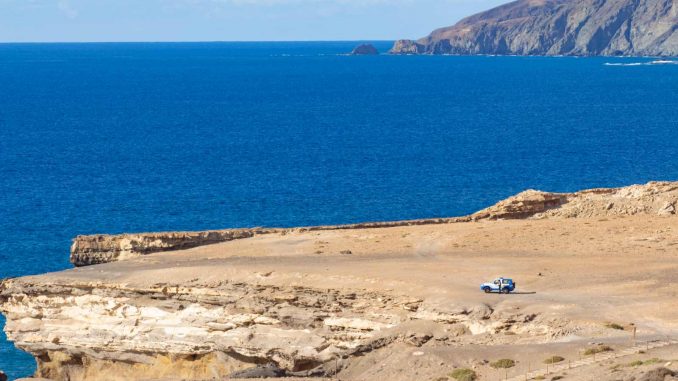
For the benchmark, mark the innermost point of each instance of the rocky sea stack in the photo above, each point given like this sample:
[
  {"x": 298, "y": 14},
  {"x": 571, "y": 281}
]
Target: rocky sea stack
[
  {"x": 559, "y": 27},
  {"x": 365, "y": 50}
]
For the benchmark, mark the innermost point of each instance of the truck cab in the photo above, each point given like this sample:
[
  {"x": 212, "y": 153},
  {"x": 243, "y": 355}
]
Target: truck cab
[{"x": 501, "y": 285}]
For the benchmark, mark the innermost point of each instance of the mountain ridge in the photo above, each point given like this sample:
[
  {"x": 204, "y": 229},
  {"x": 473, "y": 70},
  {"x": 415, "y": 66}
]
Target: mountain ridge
[{"x": 559, "y": 27}]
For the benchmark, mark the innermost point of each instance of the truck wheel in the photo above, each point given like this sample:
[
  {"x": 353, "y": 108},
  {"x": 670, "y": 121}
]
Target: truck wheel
[
  {"x": 487, "y": 290},
  {"x": 506, "y": 290}
]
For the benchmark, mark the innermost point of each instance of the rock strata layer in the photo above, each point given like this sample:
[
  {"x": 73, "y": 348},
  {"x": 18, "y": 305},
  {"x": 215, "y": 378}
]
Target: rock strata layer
[
  {"x": 559, "y": 27},
  {"x": 88, "y": 331},
  {"x": 101, "y": 248},
  {"x": 655, "y": 198}
]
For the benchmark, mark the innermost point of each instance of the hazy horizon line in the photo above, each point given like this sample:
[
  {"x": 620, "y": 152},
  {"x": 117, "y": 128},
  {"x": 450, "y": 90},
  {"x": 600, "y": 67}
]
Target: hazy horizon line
[{"x": 183, "y": 41}]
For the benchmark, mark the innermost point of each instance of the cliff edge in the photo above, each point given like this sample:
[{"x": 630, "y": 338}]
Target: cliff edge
[
  {"x": 559, "y": 27},
  {"x": 395, "y": 300},
  {"x": 654, "y": 198}
]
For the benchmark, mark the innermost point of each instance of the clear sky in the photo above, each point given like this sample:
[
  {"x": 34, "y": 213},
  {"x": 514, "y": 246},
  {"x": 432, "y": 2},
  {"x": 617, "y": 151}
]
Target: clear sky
[{"x": 228, "y": 20}]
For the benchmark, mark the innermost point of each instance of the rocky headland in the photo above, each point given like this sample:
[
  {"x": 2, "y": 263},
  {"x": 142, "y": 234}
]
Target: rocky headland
[
  {"x": 391, "y": 300},
  {"x": 559, "y": 27}
]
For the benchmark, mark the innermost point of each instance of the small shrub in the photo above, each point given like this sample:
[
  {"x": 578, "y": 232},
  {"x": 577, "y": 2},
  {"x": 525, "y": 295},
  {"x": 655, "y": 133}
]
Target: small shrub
[
  {"x": 539, "y": 378},
  {"x": 598, "y": 349},
  {"x": 441, "y": 379},
  {"x": 555, "y": 378},
  {"x": 463, "y": 374},
  {"x": 653, "y": 361},
  {"x": 646, "y": 362},
  {"x": 554, "y": 359},
  {"x": 503, "y": 364},
  {"x": 614, "y": 326}
]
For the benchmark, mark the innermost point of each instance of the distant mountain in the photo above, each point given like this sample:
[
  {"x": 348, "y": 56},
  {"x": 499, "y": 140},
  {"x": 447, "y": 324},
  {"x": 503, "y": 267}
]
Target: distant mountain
[{"x": 559, "y": 27}]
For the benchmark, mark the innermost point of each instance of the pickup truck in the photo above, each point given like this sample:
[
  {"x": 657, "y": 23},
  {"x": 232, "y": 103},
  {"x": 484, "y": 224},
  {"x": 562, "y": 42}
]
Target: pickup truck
[{"x": 501, "y": 285}]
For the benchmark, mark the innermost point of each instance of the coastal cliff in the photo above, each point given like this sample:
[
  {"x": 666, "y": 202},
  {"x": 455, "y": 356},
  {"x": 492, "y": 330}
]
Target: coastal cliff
[
  {"x": 90, "y": 331},
  {"x": 660, "y": 198},
  {"x": 80, "y": 331},
  {"x": 559, "y": 27},
  {"x": 393, "y": 300},
  {"x": 101, "y": 248}
]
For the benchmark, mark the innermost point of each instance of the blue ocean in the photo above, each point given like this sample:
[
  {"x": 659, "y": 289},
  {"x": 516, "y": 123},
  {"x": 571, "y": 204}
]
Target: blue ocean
[{"x": 111, "y": 138}]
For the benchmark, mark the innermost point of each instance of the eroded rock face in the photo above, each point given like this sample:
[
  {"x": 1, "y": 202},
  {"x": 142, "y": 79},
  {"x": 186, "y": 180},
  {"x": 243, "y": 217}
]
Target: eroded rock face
[
  {"x": 407, "y": 47},
  {"x": 95, "y": 249},
  {"x": 78, "y": 330},
  {"x": 655, "y": 198},
  {"x": 116, "y": 332},
  {"x": 523, "y": 205},
  {"x": 559, "y": 27}
]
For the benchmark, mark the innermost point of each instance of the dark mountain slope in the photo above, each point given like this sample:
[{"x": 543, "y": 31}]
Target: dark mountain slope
[{"x": 559, "y": 27}]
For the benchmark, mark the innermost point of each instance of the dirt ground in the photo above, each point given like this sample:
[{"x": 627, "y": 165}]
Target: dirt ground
[{"x": 623, "y": 269}]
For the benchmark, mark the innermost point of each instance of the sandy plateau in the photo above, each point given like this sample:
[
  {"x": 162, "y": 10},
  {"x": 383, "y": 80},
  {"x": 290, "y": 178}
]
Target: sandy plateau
[{"x": 400, "y": 302}]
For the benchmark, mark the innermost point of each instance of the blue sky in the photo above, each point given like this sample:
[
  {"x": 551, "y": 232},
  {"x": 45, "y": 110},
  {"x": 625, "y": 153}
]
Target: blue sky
[{"x": 228, "y": 20}]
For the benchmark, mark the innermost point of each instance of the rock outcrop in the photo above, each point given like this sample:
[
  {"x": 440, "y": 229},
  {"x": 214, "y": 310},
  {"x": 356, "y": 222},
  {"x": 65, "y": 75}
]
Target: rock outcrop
[
  {"x": 81, "y": 331},
  {"x": 559, "y": 27},
  {"x": 658, "y": 374},
  {"x": 655, "y": 198},
  {"x": 365, "y": 50},
  {"x": 101, "y": 248}
]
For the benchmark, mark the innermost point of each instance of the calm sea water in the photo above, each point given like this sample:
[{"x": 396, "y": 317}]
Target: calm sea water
[{"x": 110, "y": 138}]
